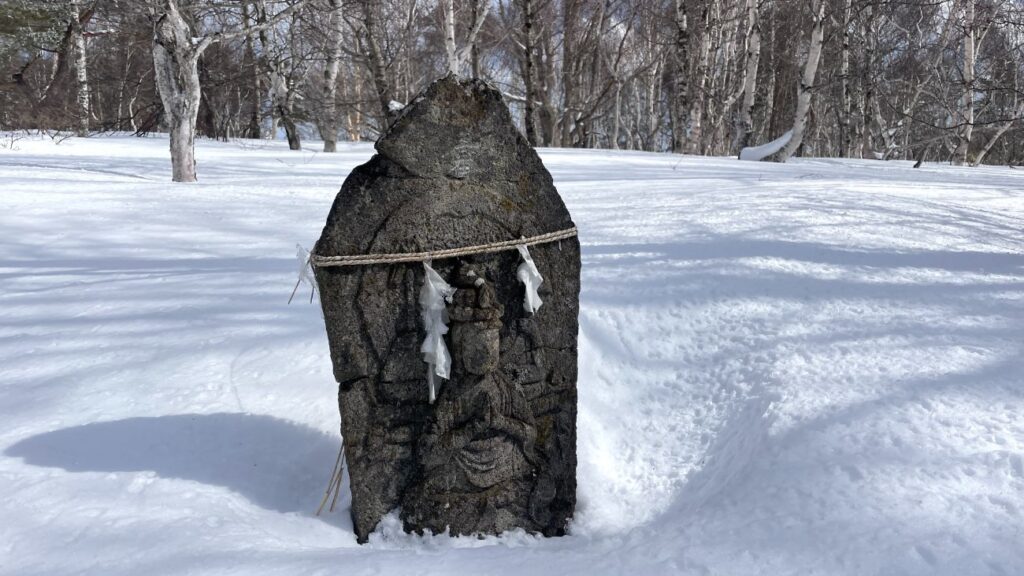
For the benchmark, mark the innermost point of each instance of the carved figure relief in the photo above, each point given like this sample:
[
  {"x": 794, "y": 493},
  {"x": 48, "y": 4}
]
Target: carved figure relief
[{"x": 496, "y": 450}]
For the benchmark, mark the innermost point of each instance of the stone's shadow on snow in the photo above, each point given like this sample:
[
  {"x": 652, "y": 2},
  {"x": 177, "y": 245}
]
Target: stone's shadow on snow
[{"x": 276, "y": 464}]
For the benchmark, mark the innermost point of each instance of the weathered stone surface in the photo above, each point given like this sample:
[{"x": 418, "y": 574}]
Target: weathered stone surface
[{"x": 497, "y": 450}]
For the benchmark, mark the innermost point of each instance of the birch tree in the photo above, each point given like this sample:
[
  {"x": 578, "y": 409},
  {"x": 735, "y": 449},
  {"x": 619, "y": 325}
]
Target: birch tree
[
  {"x": 375, "y": 61},
  {"x": 697, "y": 88},
  {"x": 528, "y": 65},
  {"x": 704, "y": 76},
  {"x": 330, "y": 118},
  {"x": 457, "y": 57},
  {"x": 806, "y": 86},
  {"x": 752, "y": 59},
  {"x": 176, "y": 53},
  {"x": 960, "y": 155},
  {"x": 81, "y": 71},
  {"x": 680, "y": 110}
]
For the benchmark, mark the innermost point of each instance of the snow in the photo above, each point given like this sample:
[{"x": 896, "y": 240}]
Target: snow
[
  {"x": 805, "y": 368},
  {"x": 758, "y": 153}
]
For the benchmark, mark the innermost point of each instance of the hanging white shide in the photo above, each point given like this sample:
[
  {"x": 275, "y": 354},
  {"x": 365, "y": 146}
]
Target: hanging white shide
[
  {"x": 433, "y": 295},
  {"x": 531, "y": 279}
]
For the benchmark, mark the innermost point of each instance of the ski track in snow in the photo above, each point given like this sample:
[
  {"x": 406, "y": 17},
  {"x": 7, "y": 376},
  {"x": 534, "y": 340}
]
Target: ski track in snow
[{"x": 809, "y": 368}]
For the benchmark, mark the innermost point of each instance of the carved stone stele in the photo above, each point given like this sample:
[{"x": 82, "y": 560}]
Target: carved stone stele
[{"x": 497, "y": 450}]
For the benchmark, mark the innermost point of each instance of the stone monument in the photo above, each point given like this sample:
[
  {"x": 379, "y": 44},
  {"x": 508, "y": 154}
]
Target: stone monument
[{"x": 496, "y": 449}]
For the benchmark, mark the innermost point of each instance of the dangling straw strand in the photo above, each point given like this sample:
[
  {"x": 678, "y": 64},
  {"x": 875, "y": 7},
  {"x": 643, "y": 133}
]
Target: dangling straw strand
[{"x": 334, "y": 484}]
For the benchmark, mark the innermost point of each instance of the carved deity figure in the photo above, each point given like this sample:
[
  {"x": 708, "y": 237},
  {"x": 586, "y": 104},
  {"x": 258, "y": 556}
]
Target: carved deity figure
[
  {"x": 496, "y": 449},
  {"x": 476, "y": 454}
]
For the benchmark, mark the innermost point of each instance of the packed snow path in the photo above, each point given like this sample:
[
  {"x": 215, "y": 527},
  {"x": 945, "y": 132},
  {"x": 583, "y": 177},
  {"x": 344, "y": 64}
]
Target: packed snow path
[{"x": 809, "y": 368}]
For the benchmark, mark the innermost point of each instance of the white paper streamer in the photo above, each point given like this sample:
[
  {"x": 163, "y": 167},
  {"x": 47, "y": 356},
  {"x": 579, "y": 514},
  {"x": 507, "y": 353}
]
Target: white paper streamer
[
  {"x": 531, "y": 278},
  {"x": 305, "y": 273},
  {"x": 433, "y": 295}
]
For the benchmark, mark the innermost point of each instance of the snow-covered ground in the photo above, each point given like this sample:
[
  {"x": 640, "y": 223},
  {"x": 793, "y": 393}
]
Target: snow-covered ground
[{"x": 810, "y": 368}]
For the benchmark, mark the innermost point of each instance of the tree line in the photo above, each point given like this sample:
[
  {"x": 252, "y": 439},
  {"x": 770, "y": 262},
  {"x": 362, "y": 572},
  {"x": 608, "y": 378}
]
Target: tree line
[{"x": 937, "y": 80}]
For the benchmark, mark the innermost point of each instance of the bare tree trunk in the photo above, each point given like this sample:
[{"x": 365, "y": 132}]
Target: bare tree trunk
[
  {"x": 281, "y": 87},
  {"x": 845, "y": 136},
  {"x": 753, "y": 56},
  {"x": 254, "y": 129},
  {"x": 474, "y": 52},
  {"x": 768, "y": 122},
  {"x": 353, "y": 119},
  {"x": 176, "y": 56},
  {"x": 617, "y": 115},
  {"x": 281, "y": 95},
  {"x": 531, "y": 129},
  {"x": 960, "y": 155},
  {"x": 806, "y": 86},
  {"x": 375, "y": 61},
  {"x": 651, "y": 101},
  {"x": 122, "y": 88},
  {"x": 81, "y": 72},
  {"x": 698, "y": 94},
  {"x": 330, "y": 119},
  {"x": 457, "y": 57},
  {"x": 867, "y": 103},
  {"x": 547, "y": 115},
  {"x": 568, "y": 71},
  {"x": 449, "y": 36},
  {"x": 177, "y": 80},
  {"x": 680, "y": 108}
]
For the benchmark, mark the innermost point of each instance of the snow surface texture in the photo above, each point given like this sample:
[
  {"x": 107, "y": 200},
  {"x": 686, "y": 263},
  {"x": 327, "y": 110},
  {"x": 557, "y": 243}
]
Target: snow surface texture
[{"x": 808, "y": 368}]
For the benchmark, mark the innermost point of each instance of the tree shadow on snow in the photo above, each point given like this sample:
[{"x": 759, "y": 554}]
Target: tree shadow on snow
[{"x": 276, "y": 464}]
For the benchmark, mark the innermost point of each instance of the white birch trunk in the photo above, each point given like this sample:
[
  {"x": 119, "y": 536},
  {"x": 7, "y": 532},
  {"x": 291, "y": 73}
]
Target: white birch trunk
[
  {"x": 960, "y": 155},
  {"x": 697, "y": 93},
  {"x": 329, "y": 125},
  {"x": 753, "y": 58},
  {"x": 617, "y": 115},
  {"x": 175, "y": 64},
  {"x": 375, "y": 62},
  {"x": 449, "y": 37},
  {"x": 457, "y": 57},
  {"x": 81, "y": 71},
  {"x": 845, "y": 109},
  {"x": 867, "y": 93},
  {"x": 769, "y": 93},
  {"x": 680, "y": 109},
  {"x": 177, "y": 79},
  {"x": 804, "y": 89},
  {"x": 528, "y": 116}
]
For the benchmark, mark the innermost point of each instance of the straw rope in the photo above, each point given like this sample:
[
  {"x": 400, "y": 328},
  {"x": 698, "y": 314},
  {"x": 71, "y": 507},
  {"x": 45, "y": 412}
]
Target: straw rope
[{"x": 368, "y": 259}]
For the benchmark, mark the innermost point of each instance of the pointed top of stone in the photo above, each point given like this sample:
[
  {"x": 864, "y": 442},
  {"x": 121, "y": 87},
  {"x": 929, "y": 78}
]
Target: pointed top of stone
[
  {"x": 455, "y": 128},
  {"x": 452, "y": 171}
]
